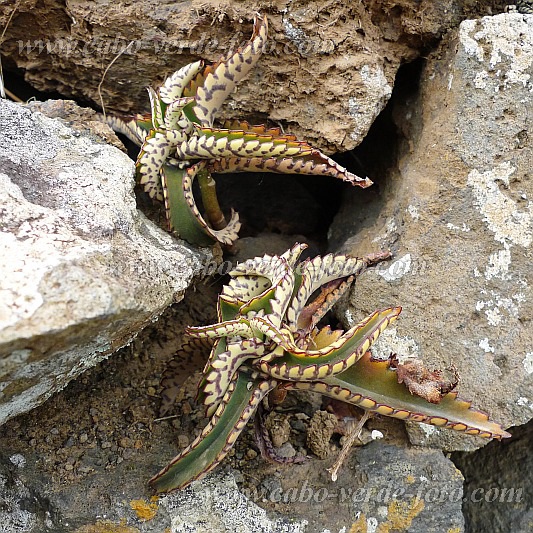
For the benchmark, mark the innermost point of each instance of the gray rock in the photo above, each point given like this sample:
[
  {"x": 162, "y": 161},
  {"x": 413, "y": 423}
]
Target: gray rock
[
  {"x": 381, "y": 487},
  {"x": 82, "y": 269},
  {"x": 15, "y": 517},
  {"x": 413, "y": 490},
  {"x": 111, "y": 502},
  {"x": 498, "y": 490},
  {"x": 389, "y": 487},
  {"x": 215, "y": 504},
  {"x": 458, "y": 214}
]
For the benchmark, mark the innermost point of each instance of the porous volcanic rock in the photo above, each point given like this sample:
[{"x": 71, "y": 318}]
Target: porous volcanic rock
[{"x": 328, "y": 70}]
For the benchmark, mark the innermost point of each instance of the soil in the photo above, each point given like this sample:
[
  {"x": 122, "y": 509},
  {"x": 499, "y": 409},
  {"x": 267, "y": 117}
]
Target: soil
[{"x": 107, "y": 421}]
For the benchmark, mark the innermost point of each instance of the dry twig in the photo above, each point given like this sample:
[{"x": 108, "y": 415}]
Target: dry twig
[
  {"x": 352, "y": 437},
  {"x": 99, "y": 89},
  {"x": 2, "y": 87}
]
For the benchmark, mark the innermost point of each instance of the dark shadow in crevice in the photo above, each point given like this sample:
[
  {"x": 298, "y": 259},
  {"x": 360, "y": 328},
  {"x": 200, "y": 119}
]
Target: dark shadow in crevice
[
  {"x": 376, "y": 157},
  {"x": 379, "y": 150},
  {"x": 14, "y": 81},
  {"x": 498, "y": 494},
  {"x": 293, "y": 204},
  {"x": 307, "y": 205},
  {"x": 282, "y": 203}
]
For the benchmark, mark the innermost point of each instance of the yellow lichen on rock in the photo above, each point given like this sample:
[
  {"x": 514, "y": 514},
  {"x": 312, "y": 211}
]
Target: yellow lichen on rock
[
  {"x": 401, "y": 515},
  {"x": 359, "y": 526},
  {"x": 144, "y": 510}
]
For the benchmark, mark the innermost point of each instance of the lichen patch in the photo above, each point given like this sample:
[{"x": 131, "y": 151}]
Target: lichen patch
[
  {"x": 501, "y": 40},
  {"x": 397, "y": 269},
  {"x": 528, "y": 362},
  {"x": 502, "y": 216}
]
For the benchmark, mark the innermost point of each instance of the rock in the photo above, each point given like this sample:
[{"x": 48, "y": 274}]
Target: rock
[
  {"x": 413, "y": 490},
  {"x": 498, "y": 495},
  {"x": 279, "y": 428},
  {"x": 82, "y": 119},
  {"x": 321, "y": 429},
  {"x": 286, "y": 450},
  {"x": 382, "y": 487},
  {"x": 82, "y": 269},
  {"x": 457, "y": 212},
  {"x": 216, "y": 504},
  {"x": 327, "y": 72},
  {"x": 15, "y": 517}
]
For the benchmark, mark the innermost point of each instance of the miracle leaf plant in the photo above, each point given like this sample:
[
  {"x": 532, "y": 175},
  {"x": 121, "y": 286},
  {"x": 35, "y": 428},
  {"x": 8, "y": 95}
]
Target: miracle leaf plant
[
  {"x": 180, "y": 144},
  {"x": 267, "y": 340}
]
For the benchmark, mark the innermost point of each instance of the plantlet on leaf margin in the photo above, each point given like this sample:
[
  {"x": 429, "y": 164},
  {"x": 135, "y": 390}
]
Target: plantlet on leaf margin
[
  {"x": 179, "y": 143},
  {"x": 267, "y": 338}
]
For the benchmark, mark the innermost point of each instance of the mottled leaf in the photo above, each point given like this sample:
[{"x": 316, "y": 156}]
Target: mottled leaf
[
  {"x": 373, "y": 385},
  {"x": 221, "y": 79},
  {"x": 240, "y": 402},
  {"x": 183, "y": 214}
]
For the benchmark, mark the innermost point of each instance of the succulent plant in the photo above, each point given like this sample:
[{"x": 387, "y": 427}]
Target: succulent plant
[
  {"x": 267, "y": 337},
  {"x": 180, "y": 144},
  {"x": 524, "y": 6}
]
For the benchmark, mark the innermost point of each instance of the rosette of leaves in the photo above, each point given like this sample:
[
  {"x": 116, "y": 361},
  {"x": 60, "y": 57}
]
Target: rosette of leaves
[
  {"x": 267, "y": 337},
  {"x": 180, "y": 144}
]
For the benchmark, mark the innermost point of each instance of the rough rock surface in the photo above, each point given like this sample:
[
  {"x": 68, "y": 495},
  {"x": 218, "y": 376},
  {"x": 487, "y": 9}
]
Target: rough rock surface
[
  {"x": 213, "y": 505},
  {"x": 80, "y": 461},
  {"x": 327, "y": 73},
  {"x": 82, "y": 269},
  {"x": 216, "y": 504},
  {"x": 384, "y": 489},
  {"x": 457, "y": 212},
  {"x": 87, "y": 468},
  {"x": 498, "y": 484}
]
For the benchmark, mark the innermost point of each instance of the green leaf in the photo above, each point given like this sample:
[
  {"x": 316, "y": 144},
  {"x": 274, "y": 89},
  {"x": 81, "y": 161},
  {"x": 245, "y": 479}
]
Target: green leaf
[
  {"x": 221, "y": 78},
  {"x": 273, "y": 300},
  {"x": 230, "y": 328},
  {"x": 222, "y": 367},
  {"x": 243, "y": 125},
  {"x": 156, "y": 108},
  {"x": 134, "y": 127},
  {"x": 219, "y": 347},
  {"x": 153, "y": 155},
  {"x": 373, "y": 386},
  {"x": 317, "y": 272},
  {"x": 174, "y": 113},
  {"x": 299, "y": 364},
  {"x": 173, "y": 87},
  {"x": 189, "y": 113},
  {"x": 182, "y": 211},
  {"x": 315, "y": 163},
  {"x": 227, "y": 309},
  {"x": 214, "y": 143},
  {"x": 205, "y": 452}
]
